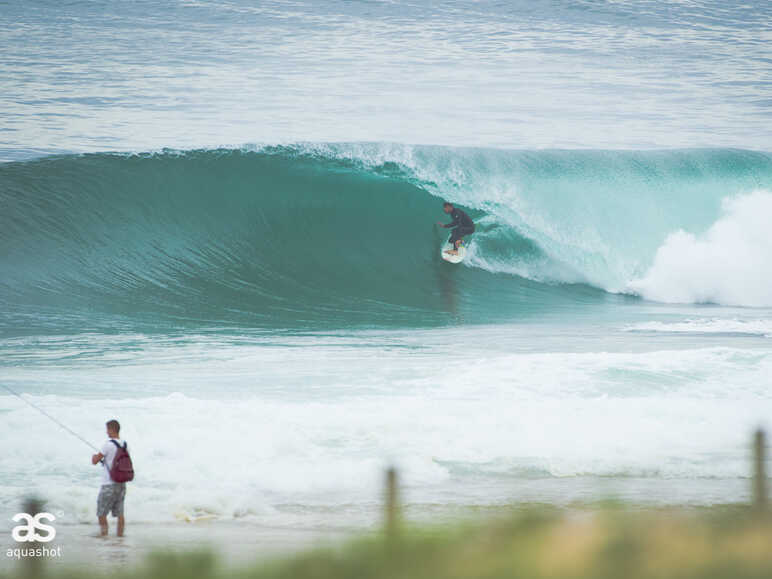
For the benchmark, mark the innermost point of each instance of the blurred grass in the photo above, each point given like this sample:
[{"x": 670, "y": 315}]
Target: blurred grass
[{"x": 609, "y": 542}]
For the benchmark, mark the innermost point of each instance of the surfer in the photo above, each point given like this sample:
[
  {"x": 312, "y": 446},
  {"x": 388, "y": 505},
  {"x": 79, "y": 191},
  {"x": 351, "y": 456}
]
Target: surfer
[{"x": 462, "y": 224}]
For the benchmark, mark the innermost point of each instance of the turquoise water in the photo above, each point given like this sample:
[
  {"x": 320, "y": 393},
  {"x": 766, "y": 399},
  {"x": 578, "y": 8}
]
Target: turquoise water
[
  {"x": 345, "y": 237},
  {"x": 217, "y": 227}
]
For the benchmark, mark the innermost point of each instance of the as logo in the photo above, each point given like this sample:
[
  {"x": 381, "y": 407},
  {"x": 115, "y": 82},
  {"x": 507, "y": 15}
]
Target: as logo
[{"x": 28, "y": 532}]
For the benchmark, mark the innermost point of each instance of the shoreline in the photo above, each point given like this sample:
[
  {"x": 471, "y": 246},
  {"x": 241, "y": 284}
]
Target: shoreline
[
  {"x": 238, "y": 544},
  {"x": 217, "y": 549}
]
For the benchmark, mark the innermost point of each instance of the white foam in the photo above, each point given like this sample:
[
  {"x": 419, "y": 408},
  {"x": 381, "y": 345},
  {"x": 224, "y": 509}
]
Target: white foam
[
  {"x": 253, "y": 438},
  {"x": 730, "y": 264},
  {"x": 758, "y": 327}
]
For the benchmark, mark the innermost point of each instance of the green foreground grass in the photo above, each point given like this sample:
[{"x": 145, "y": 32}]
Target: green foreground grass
[{"x": 613, "y": 542}]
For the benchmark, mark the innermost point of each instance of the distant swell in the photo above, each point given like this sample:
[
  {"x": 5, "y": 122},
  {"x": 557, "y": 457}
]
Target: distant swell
[{"x": 343, "y": 235}]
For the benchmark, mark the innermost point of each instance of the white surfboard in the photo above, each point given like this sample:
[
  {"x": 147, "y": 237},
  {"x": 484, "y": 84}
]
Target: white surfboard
[{"x": 453, "y": 258}]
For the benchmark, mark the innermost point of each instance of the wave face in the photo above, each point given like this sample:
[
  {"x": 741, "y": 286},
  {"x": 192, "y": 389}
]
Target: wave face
[{"x": 341, "y": 235}]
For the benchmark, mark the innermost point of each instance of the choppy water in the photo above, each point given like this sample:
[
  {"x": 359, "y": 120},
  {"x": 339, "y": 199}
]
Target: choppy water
[{"x": 216, "y": 258}]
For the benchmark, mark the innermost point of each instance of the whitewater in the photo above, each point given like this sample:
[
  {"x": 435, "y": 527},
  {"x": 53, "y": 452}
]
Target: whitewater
[{"x": 217, "y": 225}]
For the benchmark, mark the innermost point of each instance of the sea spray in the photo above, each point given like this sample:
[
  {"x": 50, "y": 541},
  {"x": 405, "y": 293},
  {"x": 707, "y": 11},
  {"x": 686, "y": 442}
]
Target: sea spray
[{"x": 730, "y": 263}]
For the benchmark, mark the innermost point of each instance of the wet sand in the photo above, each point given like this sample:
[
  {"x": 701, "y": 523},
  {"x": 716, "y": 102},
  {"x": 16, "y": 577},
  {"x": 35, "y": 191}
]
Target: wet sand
[{"x": 234, "y": 543}]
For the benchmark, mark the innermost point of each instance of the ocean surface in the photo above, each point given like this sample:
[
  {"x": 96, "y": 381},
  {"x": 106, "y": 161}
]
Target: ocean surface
[{"x": 217, "y": 225}]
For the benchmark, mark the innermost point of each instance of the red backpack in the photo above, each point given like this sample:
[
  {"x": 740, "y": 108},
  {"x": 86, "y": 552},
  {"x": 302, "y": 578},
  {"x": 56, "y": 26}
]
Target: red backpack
[{"x": 122, "y": 469}]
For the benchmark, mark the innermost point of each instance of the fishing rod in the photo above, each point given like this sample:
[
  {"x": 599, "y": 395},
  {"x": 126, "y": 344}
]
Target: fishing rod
[{"x": 47, "y": 415}]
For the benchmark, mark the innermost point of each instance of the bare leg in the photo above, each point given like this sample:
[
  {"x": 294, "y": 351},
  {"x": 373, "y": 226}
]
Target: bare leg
[
  {"x": 121, "y": 523},
  {"x": 103, "y": 526}
]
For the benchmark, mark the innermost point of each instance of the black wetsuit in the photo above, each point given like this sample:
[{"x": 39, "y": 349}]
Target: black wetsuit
[{"x": 463, "y": 225}]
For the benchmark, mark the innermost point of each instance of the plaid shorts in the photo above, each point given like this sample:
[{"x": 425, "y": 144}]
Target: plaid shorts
[{"x": 111, "y": 499}]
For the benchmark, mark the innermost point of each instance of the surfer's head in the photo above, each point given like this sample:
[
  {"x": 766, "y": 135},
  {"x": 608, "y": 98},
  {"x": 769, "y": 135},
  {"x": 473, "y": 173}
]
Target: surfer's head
[{"x": 447, "y": 207}]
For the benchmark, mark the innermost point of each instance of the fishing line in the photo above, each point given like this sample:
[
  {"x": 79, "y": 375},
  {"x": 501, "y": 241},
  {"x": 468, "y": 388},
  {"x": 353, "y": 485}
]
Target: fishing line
[{"x": 46, "y": 414}]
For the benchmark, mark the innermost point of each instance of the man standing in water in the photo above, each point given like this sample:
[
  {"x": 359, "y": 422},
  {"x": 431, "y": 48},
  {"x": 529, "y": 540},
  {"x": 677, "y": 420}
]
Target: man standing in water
[
  {"x": 462, "y": 223},
  {"x": 111, "y": 493}
]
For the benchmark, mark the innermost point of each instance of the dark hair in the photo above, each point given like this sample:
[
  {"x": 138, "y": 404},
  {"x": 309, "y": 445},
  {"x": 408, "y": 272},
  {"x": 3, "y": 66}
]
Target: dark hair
[
  {"x": 447, "y": 204},
  {"x": 113, "y": 425}
]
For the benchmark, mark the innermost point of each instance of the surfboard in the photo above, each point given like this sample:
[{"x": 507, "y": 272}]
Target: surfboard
[{"x": 449, "y": 256}]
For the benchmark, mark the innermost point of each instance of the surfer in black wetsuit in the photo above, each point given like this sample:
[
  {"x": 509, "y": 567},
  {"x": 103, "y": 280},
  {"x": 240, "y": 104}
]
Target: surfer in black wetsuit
[{"x": 462, "y": 223}]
